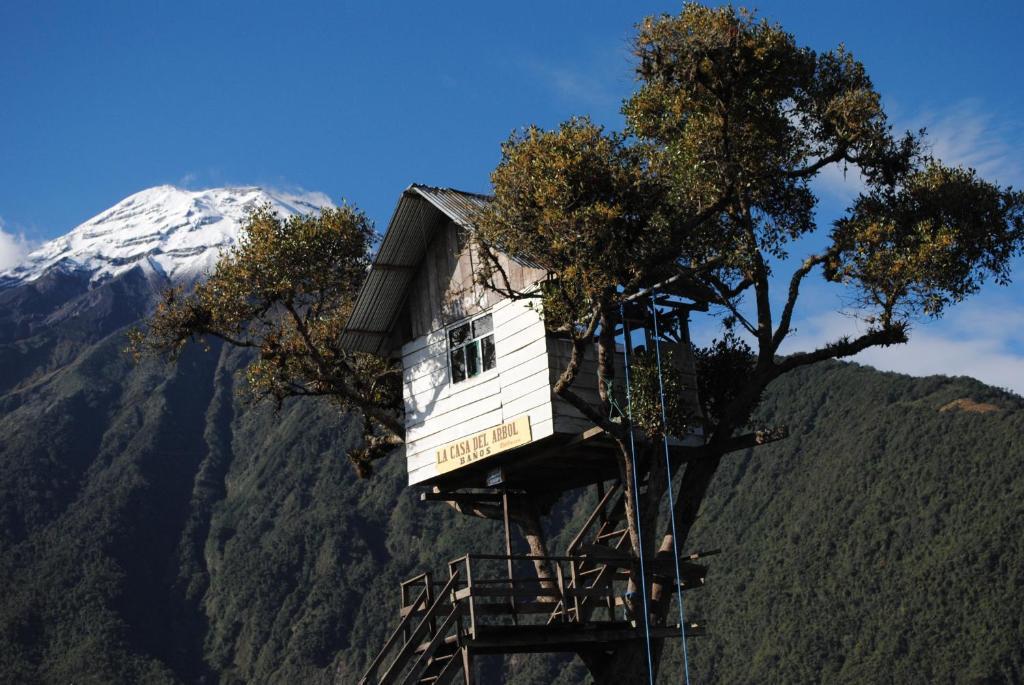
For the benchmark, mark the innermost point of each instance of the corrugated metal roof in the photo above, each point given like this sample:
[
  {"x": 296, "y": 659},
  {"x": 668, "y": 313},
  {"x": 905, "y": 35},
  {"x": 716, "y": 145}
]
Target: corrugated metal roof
[
  {"x": 420, "y": 211},
  {"x": 460, "y": 206}
]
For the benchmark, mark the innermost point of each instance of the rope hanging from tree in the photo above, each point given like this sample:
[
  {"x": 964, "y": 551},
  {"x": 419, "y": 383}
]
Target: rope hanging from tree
[
  {"x": 636, "y": 499},
  {"x": 668, "y": 490}
]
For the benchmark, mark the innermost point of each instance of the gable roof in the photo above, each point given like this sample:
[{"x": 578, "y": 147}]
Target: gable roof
[{"x": 420, "y": 211}]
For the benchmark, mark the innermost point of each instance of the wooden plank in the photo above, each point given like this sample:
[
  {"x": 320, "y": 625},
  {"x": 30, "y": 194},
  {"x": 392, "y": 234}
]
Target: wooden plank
[
  {"x": 457, "y": 416},
  {"x": 522, "y": 321},
  {"x": 524, "y": 403},
  {"x": 434, "y": 343},
  {"x": 428, "y": 406},
  {"x": 522, "y": 353},
  {"x": 461, "y": 429},
  {"x": 525, "y": 376}
]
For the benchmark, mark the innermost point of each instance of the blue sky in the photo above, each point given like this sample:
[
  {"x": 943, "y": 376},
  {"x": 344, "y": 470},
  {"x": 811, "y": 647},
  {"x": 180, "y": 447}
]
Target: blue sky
[{"x": 100, "y": 100}]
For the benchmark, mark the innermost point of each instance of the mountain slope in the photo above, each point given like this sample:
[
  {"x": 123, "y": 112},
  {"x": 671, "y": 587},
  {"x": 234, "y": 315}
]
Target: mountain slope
[
  {"x": 156, "y": 527},
  {"x": 883, "y": 537}
]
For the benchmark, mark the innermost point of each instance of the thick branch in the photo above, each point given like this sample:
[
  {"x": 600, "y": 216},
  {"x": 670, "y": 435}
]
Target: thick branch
[
  {"x": 760, "y": 278},
  {"x": 378, "y": 414},
  {"x": 813, "y": 168},
  {"x": 846, "y": 347},
  {"x": 794, "y": 292},
  {"x": 606, "y": 360},
  {"x": 562, "y": 386}
]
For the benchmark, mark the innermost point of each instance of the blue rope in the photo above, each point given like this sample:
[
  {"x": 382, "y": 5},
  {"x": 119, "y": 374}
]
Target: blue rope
[
  {"x": 668, "y": 490},
  {"x": 636, "y": 498}
]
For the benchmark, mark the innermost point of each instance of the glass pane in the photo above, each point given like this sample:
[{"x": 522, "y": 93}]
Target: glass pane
[
  {"x": 458, "y": 335},
  {"x": 482, "y": 326},
  {"x": 487, "y": 346},
  {"x": 472, "y": 358},
  {"x": 458, "y": 365}
]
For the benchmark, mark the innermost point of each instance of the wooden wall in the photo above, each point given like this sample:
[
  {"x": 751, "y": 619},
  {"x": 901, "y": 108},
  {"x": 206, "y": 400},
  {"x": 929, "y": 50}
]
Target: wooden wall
[
  {"x": 528, "y": 361},
  {"x": 567, "y": 418},
  {"x": 444, "y": 289},
  {"x": 438, "y": 412}
]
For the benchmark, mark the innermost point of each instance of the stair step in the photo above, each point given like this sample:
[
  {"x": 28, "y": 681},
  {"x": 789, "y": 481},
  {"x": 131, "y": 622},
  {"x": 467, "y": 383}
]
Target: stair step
[{"x": 614, "y": 533}]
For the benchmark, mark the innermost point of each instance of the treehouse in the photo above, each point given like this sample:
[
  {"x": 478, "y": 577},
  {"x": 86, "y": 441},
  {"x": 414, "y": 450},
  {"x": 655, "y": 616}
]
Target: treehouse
[
  {"x": 478, "y": 367},
  {"x": 485, "y": 434}
]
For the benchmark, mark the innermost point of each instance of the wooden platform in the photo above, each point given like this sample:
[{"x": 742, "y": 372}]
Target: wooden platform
[{"x": 555, "y": 464}]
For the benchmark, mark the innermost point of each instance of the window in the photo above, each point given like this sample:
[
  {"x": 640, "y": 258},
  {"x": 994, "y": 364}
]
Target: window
[{"x": 471, "y": 348}]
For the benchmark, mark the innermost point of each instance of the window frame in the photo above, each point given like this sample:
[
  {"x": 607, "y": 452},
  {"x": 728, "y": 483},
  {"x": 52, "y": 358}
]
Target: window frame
[{"x": 476, "y": 342}]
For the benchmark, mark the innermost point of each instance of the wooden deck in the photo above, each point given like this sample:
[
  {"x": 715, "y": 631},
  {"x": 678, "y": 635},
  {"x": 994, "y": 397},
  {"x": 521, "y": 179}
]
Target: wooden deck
[{"x": 487, "y": 606}]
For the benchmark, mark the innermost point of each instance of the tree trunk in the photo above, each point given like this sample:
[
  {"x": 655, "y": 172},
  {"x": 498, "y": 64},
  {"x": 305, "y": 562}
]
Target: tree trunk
[
  {"x": 532, "y": 530},
  {"x": 627, "y": 664}
]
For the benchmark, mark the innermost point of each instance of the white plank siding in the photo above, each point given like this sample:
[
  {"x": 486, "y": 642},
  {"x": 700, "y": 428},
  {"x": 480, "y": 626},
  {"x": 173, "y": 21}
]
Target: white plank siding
[{"x": 438, "y": 412}]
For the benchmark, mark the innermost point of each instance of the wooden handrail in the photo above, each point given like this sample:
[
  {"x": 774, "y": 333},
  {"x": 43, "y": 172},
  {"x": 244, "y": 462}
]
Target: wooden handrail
[
  {"x": 375, "y": 664},
  {"x": 412, "y": 643},
  {"x": 424, "y": 661},
  {"x": 594, "y": 516}
]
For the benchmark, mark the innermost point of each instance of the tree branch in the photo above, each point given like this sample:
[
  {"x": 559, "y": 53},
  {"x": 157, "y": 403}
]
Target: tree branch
[
  {"x": 813, "y": 168},
  {"x": 794, "y": 292},
  {"x": 893, "y": 334},
  {"x": 562, "y": 386}
]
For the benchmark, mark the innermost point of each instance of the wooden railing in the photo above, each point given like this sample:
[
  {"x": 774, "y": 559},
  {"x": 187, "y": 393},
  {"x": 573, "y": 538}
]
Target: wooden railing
[
  {"x": 426, "y": 630},
  {"x": 491, "y": 597}
]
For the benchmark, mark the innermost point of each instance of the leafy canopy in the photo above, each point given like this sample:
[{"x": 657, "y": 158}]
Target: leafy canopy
[
  {"x": 711, "y": 182},
  {"x": 286, "y": 291}
]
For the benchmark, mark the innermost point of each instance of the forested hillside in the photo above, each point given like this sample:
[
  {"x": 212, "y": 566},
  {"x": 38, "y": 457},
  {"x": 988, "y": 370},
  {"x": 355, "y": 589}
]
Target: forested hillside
[{"x": 155, "y": 527}]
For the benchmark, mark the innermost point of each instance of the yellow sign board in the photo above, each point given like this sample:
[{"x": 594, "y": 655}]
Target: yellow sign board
[{"x": 484, "y": 444}]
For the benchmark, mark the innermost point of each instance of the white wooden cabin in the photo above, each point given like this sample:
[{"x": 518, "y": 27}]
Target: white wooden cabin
[{"x": 477, "y": 368}]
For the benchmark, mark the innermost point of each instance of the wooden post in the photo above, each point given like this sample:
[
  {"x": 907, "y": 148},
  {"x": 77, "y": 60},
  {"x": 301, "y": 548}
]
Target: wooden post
[
  {"x": 429, "y": 580},
  {"x": 472, "y": 599},
  {"x": 467, "y": 667},
  {"x": 508, "y": 552}
]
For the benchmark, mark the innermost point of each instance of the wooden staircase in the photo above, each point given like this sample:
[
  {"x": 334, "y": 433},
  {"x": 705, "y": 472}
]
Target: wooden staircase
[
  {"x": 427, "y": 646},
  {"x": 487, "y": 607}
]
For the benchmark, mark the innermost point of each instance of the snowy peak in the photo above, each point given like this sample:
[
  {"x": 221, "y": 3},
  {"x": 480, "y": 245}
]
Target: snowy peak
[{"x": 177, "y": 233}]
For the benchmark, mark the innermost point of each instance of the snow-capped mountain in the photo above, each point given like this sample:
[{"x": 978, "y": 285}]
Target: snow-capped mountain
[{"x": 174, "y": 232}]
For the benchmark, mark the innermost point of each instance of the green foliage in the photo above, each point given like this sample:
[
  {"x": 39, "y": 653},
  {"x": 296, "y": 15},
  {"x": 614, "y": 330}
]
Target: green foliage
[
  {"x": 723, "y": 369},
  {"x": 577, "y": 201},
  {"x": 286, "y": 291},
  {"x": 646, "y": 394},
  {"x": 929, "y": 242},
  {"x": 880, "y": 542},
  {"x": 166, "y": 531},
  {"x": 711, "y": 182}
]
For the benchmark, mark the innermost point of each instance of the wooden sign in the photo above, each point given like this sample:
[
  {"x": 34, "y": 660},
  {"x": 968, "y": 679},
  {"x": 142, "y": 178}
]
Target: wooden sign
[{"x": 486, "y": 443}]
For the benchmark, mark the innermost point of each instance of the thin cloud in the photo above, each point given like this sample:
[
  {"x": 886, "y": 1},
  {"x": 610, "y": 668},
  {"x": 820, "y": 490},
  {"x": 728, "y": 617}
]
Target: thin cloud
[
  {"x": 298, "y": 195},
  {"x": 977, "y": 340},
  {"x": 13, "y": 248},
  {"x": 967, "y": 135},
  {"x": 962, "y": 134},
  {"x": 576, "y": 86},
  {"x": 596, "y": 86}
]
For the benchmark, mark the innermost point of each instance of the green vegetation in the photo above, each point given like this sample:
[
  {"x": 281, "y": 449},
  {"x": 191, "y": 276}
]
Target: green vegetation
[
  {"x": 285, "y": 292},
  {"x": 158, "y": 527}
]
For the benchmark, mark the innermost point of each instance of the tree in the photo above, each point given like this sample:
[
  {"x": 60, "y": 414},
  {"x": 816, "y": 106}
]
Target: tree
[
  {"x": 285, "y": 291},
  {"x": 711, "y": 184}
]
